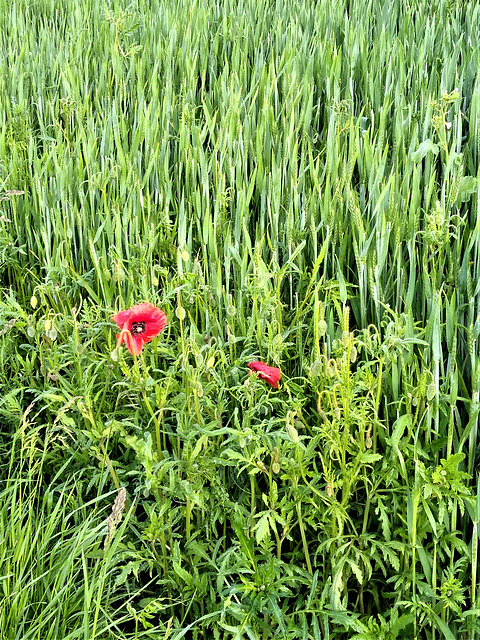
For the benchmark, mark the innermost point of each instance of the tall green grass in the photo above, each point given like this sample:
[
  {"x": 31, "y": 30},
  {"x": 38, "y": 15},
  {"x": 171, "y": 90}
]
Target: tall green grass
[
  {"x": 293, "y": 183},
  {"x": 57, "y": 573}
]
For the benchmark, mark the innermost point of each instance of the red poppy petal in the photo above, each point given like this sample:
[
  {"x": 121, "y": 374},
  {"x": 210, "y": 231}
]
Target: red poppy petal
[
  {"x": 153, "y": 317},
  {"x": 134, "y": 343},
  {"x": 138, "y": 342},
  {"x": 142, "y": 311},
  {"x": 269, "y": 378},
  {"x": 121, "y": 317},
  {"x": 154, "y": 325},
  {"x": 272, "y": 375},
  {"x": 151, "y": 320}
]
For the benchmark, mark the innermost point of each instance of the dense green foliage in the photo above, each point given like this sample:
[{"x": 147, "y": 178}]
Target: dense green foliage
[{"x": 291, "y": 182}]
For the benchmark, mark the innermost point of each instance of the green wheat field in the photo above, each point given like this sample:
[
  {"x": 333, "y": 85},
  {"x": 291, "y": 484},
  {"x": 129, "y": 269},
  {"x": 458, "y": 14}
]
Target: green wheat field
[{"x": 290, "y": 182}]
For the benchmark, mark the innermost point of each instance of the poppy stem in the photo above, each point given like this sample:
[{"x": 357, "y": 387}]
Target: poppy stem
[
  {"x": 149, "y": 407},
  {"x": 112, "y": 472},
  {"x": 304, "y": 538},
  {"x": 188, "y": 516},
  {"x": 252, "y": 499},
  {"x": 109, "y": 465},
  {"x": 156, "y": 422},
  {"x": 105, "y": 458},
  {"x": 144, "y": 394}
]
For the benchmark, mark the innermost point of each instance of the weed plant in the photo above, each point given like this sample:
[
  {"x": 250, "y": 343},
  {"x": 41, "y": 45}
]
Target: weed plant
[{"x": 292, "y": 183}]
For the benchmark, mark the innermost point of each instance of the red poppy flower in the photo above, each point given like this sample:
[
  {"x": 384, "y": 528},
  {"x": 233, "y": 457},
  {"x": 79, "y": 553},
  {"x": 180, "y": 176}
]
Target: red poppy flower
[
  {"x": 271, "y": 375},
  {"x": 138, "y": 325}
]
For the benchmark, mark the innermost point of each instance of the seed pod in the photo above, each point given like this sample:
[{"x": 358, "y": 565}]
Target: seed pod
[
  {"x": 293, "y": 433},
  {"x": 180, "y": 313},
  {"x": 261, "y": 466},
  {"x": 322, "y": 328},
  {"x": 431, "y": 391}
]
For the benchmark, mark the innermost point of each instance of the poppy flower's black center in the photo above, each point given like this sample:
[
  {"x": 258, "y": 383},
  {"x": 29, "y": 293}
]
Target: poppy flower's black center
[{"x": 138, "y": 327}]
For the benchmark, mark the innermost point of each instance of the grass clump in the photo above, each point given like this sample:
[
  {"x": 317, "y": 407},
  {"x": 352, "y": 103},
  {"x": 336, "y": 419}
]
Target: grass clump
[{"x": 57, "y": 581}]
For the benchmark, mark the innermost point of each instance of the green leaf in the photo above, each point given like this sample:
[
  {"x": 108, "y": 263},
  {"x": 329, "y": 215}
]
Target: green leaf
[
  {"x": 468, "y": 186},
  {"x": 181, "y": 573},
  {"x": 383, "y": 516},
  {"x": 277, "y": 612},
  {"x": 262, "y": 528},
  {"x": 234, "y": 455},
  {"x": 426, "y": 147},
  {"x": 443, "y": 626},
  {"x": 356, "y": 570},
  {"x": 368, "y": 457}
]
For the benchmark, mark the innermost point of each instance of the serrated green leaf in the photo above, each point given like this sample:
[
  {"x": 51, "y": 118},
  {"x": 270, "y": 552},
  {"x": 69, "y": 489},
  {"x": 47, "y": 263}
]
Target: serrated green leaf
[
  {"x": 369, "y": 457},
  {"x": 183, "y": 574},
  {"x": 233, "y": 455},
  {"x": 356, "y": 570},
  {"x": 383, "y": 516},
  {"x": 262, "y": 528}
]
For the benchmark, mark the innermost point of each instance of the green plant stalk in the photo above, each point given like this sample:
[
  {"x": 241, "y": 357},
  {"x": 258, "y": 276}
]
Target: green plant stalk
[
  {"x": 304, "y": 538},
  {"x": 197, "y": 406},
  {"x": 252, "y": 499},
  {"x": 150, "y": 410},
  {"x": 163, "y": 431},
  {"x": 156, "y": 423},
  {"x": 316, "y": 319},
  {"x": 98, "y": 603},
  {"x": 110, "y": 466},
  {"x": 473, "y": 590},
  {"x": 279, "y": 542},
  {"x": 88, "y": 416},
  {"x": 366, "y": 511},
  {"x": 76, "y": 337},
  {"x": 188, "y": 518},
  {"x": 163, "y": 541},
  {"x": 414, "y": 550},
  {"x": 453, "y": 525},
  {"x": 274, "y": 526},
  {"x": 256, "y": 315},
  {"x": 434, "y": 581},
  {"x": 377, "y": 403}
]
